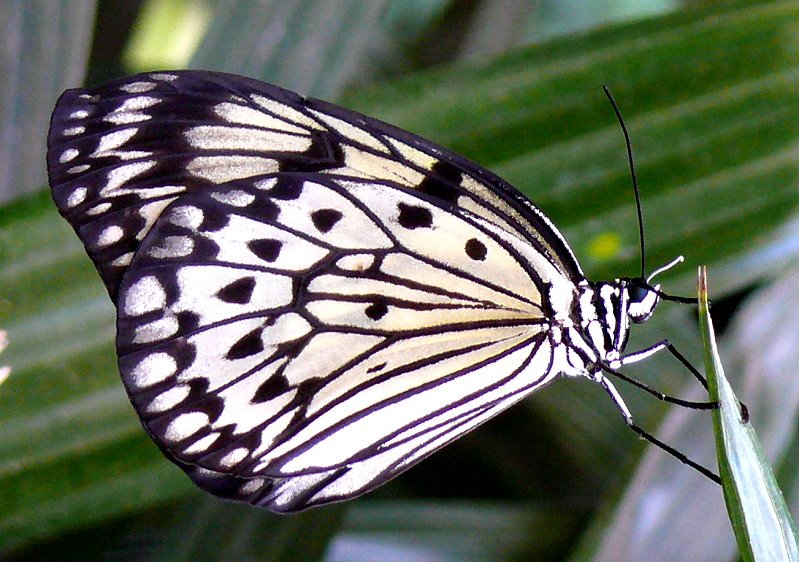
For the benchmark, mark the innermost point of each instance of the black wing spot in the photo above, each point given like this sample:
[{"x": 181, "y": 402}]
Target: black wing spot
[
  {"x": 188, "y": 321},
  {"x": 183, "y": 352},
  {"x": 265, "y": 210},
  {"x": 287, "y": 189},
  {"x": 214, "y": 220},
  {"x": 271, "y": 388},
  {"x": 212, "y": 406},
  {"x": 268, "y": 249},
  {"x": 237, "y": 292},
  {"x": 325, "y": 219},
  {"x": 412, "y": 216},
  {"x": 325, "y": 153},
  {"x": 441, "y": 182},
  {"x": 249, "y": 345},
  {"x": 476, "y": 249},
  {"x": 377, "y": 309},
  {"x": 204, "y": 249}
]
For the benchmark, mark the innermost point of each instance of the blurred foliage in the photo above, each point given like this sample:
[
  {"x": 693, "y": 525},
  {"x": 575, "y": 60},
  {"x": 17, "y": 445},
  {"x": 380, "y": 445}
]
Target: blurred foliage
[
  {"x": 709, "y": 96},
  {"x": 44, "y": 51}
]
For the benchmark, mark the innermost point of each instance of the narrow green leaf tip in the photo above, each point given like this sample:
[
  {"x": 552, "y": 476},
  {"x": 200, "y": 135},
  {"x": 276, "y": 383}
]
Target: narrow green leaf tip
[{"x": 760, "y": 519}]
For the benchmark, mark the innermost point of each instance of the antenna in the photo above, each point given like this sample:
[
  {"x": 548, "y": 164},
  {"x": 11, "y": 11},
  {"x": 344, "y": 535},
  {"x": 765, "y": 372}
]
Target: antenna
[{"x": 635, "y": 179}]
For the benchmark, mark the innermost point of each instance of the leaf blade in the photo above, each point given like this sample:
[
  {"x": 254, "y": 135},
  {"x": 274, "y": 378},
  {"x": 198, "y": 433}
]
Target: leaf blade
[{"x": 763, "y": 526}]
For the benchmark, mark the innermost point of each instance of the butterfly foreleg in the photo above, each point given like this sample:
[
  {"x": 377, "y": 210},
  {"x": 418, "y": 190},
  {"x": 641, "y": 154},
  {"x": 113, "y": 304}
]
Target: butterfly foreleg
[
  {"x": 642, "y": 354},
  {"x": 665, "y": 344}
]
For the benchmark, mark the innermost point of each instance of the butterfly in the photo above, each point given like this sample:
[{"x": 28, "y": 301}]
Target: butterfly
[{"x": 311, "y": 301}]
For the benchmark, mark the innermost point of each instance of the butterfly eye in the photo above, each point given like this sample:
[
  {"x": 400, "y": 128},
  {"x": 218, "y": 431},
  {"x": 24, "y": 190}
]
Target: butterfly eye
[
  {"x": 637, "y": 293},
  {"x": 643, "y": 300}
]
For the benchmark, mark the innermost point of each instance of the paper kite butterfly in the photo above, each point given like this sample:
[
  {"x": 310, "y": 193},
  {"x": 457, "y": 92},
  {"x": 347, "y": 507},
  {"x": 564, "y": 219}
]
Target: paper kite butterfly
[{"x": 310, "y": 301}]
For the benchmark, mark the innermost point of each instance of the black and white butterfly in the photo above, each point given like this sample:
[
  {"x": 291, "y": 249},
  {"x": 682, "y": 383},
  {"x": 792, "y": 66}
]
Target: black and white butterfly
[{"x": 311, "y": 301}]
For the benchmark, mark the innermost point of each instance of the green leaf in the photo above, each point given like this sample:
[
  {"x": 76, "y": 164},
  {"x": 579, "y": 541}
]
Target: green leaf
[
  {"x": 248, "y": 533},
  {"x": 166, "y": 33},
  {"x": 456, "y": 530},
  {"x": 312, "y": 47},
  {"x": 763, "y": 526}
]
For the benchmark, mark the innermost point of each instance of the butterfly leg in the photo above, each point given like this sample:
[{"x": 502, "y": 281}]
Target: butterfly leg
[
  {"x": 636, "y": 356},
  {"x": 628, "y": 419},
  {"x": 659, "y": 395}
]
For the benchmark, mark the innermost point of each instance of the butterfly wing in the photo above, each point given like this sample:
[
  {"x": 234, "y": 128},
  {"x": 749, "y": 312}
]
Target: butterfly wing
[{"x": 309, "y": 301}]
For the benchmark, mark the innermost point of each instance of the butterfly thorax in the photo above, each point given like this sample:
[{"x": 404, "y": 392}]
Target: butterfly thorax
[{"x": 599, "y": 325}]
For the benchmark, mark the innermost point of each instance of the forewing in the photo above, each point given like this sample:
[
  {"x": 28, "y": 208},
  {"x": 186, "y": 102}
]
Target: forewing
[
  {"x": 257, "y": 341},
  {"x": 119, "y": 153}
]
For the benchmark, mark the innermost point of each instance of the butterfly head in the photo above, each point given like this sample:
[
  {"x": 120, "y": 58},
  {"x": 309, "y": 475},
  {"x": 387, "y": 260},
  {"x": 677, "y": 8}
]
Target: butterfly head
[{"x": 608, "y": 308}]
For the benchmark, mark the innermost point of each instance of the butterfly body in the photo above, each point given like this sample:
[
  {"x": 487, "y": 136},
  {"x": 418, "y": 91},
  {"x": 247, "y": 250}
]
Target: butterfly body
[{"x": 311, "y": 301}]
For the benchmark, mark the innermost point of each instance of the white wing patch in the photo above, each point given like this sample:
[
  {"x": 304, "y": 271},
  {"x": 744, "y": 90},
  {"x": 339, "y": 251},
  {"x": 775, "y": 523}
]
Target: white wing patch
[
  {"x": 216, "y": 137},
  {"x": 316, "y": 358},
  {"x": 350, "y": 131},
  {"x": 351, "y": 228},
  {"x": 414, "y": 361}
]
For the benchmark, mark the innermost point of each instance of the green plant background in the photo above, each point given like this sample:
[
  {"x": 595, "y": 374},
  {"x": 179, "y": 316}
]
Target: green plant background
[{"x": 710, "y": 97}]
